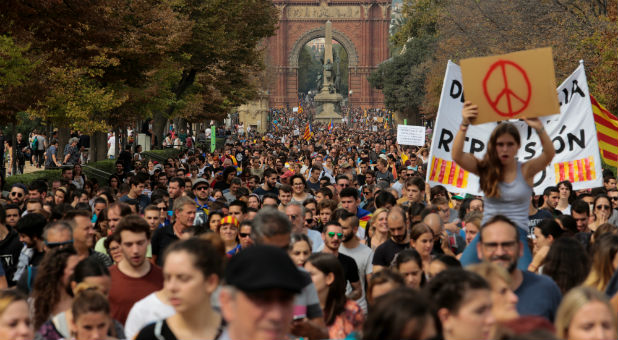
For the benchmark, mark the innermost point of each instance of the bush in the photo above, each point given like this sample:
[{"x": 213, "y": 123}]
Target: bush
[{"x": 48, "y": 175}]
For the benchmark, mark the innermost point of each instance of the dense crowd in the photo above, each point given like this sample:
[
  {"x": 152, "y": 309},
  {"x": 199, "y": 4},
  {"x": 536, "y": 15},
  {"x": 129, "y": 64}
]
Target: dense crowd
[{"x": 338, "y": 237}]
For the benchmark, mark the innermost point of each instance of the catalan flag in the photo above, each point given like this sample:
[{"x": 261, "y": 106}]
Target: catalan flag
[
  {"x": 300, "y": 107},
  {"x": 308, "y": 132},
  {"x": 607, "y": 132},
  {"x": 330, "y": 126},
  {"x": 448, "y": 172}
]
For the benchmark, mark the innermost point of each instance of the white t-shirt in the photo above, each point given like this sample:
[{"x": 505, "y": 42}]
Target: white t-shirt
[
  {"x": 363, "y": 256},
  {"x": 144, "y": 312}
]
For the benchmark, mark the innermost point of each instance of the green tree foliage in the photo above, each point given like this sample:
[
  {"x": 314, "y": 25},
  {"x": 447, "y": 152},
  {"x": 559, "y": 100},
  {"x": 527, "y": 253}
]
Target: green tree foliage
[
  {"x": 309, "y": 67},
  {"x": 575, "y": 29},
  {"x": 402, "y": 77}
]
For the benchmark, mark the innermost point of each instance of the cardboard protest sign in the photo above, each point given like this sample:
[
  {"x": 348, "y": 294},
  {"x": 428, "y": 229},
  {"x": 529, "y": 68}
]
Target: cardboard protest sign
[
  {"x": 511, "y": 86},
  {"x": 572, "y": 132},
  {"x": 410, "y": 135}
]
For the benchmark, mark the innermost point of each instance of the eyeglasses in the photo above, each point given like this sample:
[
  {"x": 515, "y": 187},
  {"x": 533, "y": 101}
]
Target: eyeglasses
[
  {"x": 18, "y": 194},
  {"x": 201, "y": 188},
  {"x": 332, "y": 234},
  {"x": 602, "y": 207},
  {"x": 492, "y": 246},
  {"x": 243, "y": 235}
]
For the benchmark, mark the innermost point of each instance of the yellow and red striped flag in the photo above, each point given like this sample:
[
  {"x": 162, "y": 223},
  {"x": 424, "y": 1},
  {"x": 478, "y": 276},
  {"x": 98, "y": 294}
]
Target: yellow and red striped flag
[
  {"x": 607, "y": 132},
  {"x": 308, "y": 133}
]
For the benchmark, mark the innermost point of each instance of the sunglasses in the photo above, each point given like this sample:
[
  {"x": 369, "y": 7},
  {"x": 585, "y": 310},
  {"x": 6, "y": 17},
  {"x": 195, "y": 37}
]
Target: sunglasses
[
  {"x": 162, "y": 208},
  {"x": 52, "y": 245},
  {"x": 18, "y": 194},
  {"x": 366, "y": 192},
  {"x": 243, "y": 235},
  {"x": 309, "y": 220},
  {"x": 201, "y": 188},
  {"x": 603, "y": 207},
  {"x": 332, "y": 234},
  {"x": 614, "y": 198}
]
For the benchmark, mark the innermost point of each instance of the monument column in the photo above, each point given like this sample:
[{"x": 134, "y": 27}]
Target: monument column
[{"x": 328, "y": 99}]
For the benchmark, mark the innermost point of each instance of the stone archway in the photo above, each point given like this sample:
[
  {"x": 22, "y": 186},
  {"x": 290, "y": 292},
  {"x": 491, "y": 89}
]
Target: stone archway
[
  {"x": 315, "y": 33},
  {"x": 360, "y": 26}
]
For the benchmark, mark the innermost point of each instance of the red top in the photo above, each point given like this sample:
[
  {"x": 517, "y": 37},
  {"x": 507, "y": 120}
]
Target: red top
[{"x": 126, "y": 291}]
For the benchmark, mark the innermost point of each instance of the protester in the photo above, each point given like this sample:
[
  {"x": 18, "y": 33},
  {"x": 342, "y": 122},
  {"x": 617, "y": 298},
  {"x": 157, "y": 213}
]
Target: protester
[
  {"x": 192, "y": 270},
  {"x": 585, "y": 313},
  {"x": 409, "y": 264},
  {"x": 134, "y": 277},
  {"x": 343, "y": 315},
  {"x": 464, "y": 305},
  {"x": 498, "y": 168},
  {"x": 15, "y": 322},
  {"x": 402, "y": 314}
]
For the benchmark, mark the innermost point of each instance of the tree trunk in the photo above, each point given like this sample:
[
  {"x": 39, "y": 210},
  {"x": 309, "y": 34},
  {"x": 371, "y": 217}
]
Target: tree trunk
[
  {"x": 98, "y": 146},
  {"x": 158, "y": 128},
  {"x": 64, "y": 133}
]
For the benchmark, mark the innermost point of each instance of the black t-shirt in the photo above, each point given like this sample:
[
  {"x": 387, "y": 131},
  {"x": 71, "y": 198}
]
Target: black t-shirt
[
  {"x": 148, "y": 332},
  {"x": 385, "y": 253},
  {"x": 350, "y": 269},
  {"x": 162, "y": 238},
  {"x": 10, "y": 248},
  {"x": 261, "y": 192},
  {"x": 534, "y": 220}
]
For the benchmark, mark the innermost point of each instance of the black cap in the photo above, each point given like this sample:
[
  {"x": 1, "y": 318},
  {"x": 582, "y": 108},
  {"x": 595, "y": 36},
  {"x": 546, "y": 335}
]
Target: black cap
[{"x": 262, "y": 267}]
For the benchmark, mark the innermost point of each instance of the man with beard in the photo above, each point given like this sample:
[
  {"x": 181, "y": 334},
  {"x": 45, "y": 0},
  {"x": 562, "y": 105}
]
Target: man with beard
[
  {"x": 499, "y": 243},
  {"x": 332, "y": 235},
  {"x": 270, "y": 184},
  {"x": 384, "y": 254},
  {"x": 18, "y": 195},
  {"x": 352, "y": 247}
]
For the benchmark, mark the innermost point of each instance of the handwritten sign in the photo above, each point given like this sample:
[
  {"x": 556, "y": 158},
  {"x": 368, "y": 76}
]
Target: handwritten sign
[
  {"x": 410, "y": 135},
  {"x": 511, "y": 86}
]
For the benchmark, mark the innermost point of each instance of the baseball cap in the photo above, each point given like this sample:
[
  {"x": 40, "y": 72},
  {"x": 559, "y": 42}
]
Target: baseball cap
[
  {"x": 198, "y": 181},
  {"x": 261, "y": 267}
]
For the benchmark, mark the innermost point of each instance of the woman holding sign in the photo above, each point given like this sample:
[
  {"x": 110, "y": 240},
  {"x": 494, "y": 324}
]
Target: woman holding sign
[{"x": 505, "y": 181}]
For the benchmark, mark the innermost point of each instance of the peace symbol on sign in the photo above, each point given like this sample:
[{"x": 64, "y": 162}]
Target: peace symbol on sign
[{"x": 507, "y": 102}]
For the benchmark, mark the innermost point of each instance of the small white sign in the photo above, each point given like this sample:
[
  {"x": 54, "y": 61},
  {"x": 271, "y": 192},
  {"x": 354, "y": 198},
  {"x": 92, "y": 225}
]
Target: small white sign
[
  {"x": 410, "y": 135},
  {"x": 295, "y": 109},
  {"x": 375, "y": 128},
  {"x": 296, "y": 132}
]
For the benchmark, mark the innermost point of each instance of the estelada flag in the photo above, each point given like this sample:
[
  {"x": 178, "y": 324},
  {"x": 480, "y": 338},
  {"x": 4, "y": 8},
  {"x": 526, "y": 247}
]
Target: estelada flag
[
  {"x": 308, "y": 133},
  {"x": 607, "y": 132}
]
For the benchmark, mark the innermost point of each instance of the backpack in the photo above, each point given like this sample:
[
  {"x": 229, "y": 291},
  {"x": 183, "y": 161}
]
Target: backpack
[{"x": 35, "y": 143}]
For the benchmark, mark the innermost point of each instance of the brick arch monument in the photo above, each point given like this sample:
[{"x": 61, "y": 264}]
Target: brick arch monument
[{"x": 360, "y": 26}]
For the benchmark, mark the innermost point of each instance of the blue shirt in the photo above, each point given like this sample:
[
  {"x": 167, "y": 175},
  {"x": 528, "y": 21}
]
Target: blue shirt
[{"x": 538, "y": 295}]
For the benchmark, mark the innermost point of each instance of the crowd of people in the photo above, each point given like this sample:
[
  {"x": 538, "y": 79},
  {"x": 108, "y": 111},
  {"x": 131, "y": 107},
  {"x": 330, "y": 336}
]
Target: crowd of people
[{"x": 337, "y": 237}]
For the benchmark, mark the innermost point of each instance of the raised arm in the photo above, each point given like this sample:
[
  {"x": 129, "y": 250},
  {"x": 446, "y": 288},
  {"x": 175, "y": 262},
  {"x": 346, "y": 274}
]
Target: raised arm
[
  {"x": 533, "y": 166},
  {"x": 464, "y": 159}
]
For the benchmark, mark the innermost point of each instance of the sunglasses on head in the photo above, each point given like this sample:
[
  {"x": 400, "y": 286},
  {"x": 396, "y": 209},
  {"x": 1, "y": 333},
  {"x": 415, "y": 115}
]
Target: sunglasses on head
[
  {"x": 332, "y": 234},
  {"x": 52, "y": 245}
]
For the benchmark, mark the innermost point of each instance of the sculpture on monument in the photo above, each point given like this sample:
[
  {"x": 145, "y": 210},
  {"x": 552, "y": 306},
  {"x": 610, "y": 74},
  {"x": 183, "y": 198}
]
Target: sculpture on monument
[{"x": 328, "y": 99}]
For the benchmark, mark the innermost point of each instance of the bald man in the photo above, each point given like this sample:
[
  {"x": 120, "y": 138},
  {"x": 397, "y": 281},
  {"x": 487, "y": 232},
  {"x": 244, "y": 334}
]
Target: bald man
[
  {"x": 398, "y": 240},
  {"x": 445, "y": 242}
]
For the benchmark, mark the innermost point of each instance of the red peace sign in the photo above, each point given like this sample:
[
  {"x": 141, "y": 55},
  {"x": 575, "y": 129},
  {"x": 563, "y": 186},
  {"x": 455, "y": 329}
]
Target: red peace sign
[{"x": 515, "y": 103}]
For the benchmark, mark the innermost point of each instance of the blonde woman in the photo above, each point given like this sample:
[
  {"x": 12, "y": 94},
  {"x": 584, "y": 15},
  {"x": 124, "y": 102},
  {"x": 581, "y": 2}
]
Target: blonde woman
[
  {"x": 378, "y": 229},
  {"x": 586, "y": 314}
]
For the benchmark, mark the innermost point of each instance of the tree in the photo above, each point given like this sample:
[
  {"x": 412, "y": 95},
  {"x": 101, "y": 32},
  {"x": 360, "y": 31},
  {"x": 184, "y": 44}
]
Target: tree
[{"x": 402, "y": 77}]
